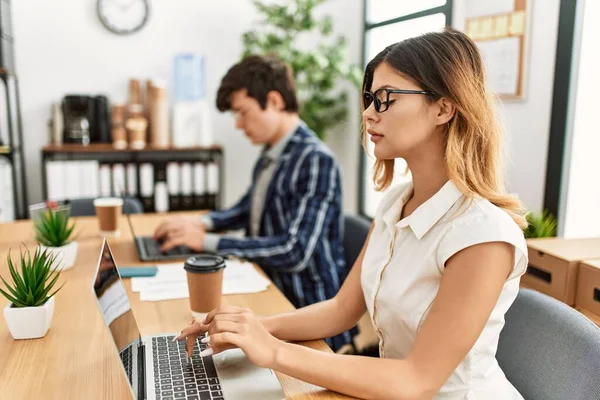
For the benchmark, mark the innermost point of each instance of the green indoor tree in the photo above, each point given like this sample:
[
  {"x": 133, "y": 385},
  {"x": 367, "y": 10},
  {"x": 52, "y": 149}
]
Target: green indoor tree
[{"x": 316, "y": 71}]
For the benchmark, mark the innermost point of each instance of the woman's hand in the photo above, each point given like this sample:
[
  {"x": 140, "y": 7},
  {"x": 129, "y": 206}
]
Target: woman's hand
[
  {"x": 230, "y": 327},
  {"x": 190, "y": 334}
]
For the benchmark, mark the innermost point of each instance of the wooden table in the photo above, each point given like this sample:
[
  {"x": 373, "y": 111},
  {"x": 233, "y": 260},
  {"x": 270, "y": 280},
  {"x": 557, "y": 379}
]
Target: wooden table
[{"x": 76, "y": 359}]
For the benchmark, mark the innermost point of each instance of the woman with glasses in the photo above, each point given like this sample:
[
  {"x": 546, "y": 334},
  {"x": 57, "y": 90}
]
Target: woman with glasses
[{"x": 445, "y": 252}]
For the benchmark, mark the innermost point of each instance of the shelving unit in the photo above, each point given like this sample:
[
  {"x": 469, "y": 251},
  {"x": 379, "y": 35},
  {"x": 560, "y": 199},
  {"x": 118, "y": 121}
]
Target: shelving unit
[
  {"x": 202, "y": 160},
  {"x": 11, "y": 130}
]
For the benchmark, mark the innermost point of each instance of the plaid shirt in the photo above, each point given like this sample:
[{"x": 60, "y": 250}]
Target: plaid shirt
[{"x": 299, "y": 244}]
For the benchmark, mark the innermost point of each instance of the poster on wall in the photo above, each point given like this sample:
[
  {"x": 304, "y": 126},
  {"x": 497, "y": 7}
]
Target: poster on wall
[{"x": 499, "y": 29}]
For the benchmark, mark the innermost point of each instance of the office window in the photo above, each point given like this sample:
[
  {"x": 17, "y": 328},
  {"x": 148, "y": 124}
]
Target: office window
[{"x": 388, "y": 22}]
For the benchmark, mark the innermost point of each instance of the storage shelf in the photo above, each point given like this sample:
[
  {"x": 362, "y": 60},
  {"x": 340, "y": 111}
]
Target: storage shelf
[{"x": 108, "y": 148}]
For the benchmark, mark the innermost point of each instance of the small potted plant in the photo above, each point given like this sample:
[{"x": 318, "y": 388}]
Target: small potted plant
[
  {"x": 53, "y": 232},
  {"x": 540, "y": 225},
  {"x": 29, "y": 313}
]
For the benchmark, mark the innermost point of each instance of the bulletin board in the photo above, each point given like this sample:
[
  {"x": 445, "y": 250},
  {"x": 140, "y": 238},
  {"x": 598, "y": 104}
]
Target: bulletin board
[{"x": 499, "y": 28}]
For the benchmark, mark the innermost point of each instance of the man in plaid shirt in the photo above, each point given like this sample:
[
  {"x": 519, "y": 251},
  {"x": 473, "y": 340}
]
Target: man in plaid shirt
[{"x": 292, "y": 211}]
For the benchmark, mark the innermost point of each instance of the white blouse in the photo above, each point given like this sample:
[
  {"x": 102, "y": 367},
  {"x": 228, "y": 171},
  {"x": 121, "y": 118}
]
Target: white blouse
[{"x": 403, "y": 268}]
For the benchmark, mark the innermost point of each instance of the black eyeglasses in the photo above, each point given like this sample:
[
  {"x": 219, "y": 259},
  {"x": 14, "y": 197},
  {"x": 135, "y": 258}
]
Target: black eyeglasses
[{"x": 381, "y": 105}]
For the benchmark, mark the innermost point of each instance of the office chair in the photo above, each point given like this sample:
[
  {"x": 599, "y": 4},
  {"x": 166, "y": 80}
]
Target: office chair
[
  {"x": 548, "y": 350},
  {"x": 85, "y": 207},
  {"x": 356, "y": 229}
]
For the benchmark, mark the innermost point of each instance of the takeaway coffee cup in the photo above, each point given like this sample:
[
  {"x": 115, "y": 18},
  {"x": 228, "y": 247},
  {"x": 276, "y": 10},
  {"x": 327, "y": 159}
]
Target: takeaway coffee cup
[
  {"x": 205, "y": 283},
  {"x": 108, "y": 211}
]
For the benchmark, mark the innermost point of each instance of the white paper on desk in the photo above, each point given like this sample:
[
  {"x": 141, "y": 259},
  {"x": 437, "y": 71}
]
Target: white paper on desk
[{"x": 170, "y": 281}]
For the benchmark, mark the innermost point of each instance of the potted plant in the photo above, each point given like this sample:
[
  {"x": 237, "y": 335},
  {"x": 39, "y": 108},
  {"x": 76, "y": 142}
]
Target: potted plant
[
  {"x": 29, "y": 313},
  {"x": 318, "y": 70},
  {"x": 53, "y": 232},
  {"x": 541, "y": 225}
]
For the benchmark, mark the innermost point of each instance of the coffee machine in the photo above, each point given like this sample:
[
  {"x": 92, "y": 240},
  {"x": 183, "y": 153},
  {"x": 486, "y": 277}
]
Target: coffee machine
[{"x": 77, "y": 113}]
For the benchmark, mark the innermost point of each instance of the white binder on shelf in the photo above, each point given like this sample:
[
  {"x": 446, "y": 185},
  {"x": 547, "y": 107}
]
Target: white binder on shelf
[
  {"x": 147, "y": 186},
  {"x": 55, "y": 180},
  {"x": 199, "y": 186},
  {"x": 132, "y": 179},
  {"x": 89, "y": 179},
  {"x": 72, "y": 179},
  {"x": 105, "y": 180},
  {"x": 161, "y": 197},
  {"x": 212, "y": 185},
  {"x": 187, "y": 185},
  {"x": 7, "y": 206},
  {"x": 213, "y": 178},
  {"x": 118, "y": 180},
  {"x": 174, "y": 186}
]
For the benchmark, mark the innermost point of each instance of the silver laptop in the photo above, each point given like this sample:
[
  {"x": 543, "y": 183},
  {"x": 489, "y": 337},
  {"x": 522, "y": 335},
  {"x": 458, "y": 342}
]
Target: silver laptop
[{"x": 156, "y": 367}]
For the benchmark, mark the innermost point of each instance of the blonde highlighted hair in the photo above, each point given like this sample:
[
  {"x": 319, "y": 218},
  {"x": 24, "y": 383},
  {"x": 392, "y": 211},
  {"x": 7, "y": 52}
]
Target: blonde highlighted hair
[{"x": 448, "y": 64}]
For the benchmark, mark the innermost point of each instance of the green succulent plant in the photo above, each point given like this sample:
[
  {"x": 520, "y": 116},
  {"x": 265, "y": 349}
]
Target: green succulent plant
[
  {"x": 31, "y": 285},
  {"x": 541, "y": 225},
  {"x": 52, "y": 228}
]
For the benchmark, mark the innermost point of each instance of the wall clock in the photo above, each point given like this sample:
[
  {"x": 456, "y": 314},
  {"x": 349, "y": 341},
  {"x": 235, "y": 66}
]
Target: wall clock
[{"x": 123, "y": 17}]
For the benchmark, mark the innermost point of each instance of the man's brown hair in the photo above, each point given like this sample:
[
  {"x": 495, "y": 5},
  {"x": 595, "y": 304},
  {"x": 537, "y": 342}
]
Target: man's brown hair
[{"x": 259, "y": 75}]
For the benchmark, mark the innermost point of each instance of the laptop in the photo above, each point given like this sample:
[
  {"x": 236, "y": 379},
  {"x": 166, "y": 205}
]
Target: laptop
[
  {"x": 148, "y": 248},
  {"x": 156, "y": 367}
]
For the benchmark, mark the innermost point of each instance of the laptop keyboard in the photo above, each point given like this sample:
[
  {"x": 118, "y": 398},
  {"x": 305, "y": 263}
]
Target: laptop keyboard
[
  {"x": 176, "y": 378},
  {"x": 153, "y": 248},
  {"x": 127, "y": 362}
]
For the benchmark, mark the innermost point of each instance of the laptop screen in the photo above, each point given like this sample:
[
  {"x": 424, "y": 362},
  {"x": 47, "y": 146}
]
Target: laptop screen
[{"x": 116, "y": 308}]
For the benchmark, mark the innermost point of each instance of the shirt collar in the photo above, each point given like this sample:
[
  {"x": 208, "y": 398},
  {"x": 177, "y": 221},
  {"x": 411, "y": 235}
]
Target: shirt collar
[
  {"x": 274, "y": 152},
  {"x": 428, "y": 213}
]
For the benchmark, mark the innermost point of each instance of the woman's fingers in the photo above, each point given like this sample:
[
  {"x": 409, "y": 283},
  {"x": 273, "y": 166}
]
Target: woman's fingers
[
  {"x": 222, "y": 326},
  {"x": 223, "y": 310},
  {"x": 220, "y": 342},
  {"x": 197, "y": 328}
]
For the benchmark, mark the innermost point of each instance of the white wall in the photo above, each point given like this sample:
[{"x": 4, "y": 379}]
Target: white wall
[
  {"x": 65, "y": 49},
  {"x": 527, "y": 121},
  {"x": 582, "y": 189},
  {"x": 344, "y": 140}
]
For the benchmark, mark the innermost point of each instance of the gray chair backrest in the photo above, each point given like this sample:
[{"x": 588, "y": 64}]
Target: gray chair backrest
[
  {"x": 548, "y": 350},
  {"x": 85, "y": 207},
  {"x": 356, "y": 229}
]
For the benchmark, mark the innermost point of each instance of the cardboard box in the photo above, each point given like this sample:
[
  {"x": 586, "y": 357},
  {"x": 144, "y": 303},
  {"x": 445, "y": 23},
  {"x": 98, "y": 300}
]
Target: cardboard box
[
  {"x": 588, "y": 287},
  {"x": 553, "y": 265}
]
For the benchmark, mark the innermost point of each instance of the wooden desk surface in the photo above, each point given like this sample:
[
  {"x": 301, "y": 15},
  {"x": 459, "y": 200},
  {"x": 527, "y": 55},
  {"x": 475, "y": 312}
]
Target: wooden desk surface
[{"x": 76, "y": 359}]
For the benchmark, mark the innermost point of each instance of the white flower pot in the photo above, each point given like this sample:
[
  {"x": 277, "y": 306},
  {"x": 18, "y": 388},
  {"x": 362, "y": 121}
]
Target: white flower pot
[
  {"x": 65, "y": 255},
  {"x": 29, "y": 322}
]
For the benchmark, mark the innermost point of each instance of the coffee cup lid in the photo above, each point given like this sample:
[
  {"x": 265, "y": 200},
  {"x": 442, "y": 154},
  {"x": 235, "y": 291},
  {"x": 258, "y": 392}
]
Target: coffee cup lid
[{"x": 204, "y": 263}]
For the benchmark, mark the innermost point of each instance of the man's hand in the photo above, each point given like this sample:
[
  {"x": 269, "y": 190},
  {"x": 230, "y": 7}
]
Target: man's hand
[{"x": 186, "y": 232}]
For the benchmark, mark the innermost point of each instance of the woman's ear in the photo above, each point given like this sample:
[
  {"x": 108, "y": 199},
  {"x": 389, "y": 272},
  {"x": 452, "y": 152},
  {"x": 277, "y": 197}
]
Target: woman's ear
[
  {"x": 275, "y": 100},
  {"x": 446, "y": 111}
]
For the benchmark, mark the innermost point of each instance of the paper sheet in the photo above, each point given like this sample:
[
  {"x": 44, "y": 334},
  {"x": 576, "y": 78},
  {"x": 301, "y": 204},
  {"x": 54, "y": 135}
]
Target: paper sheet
[
  {"x": 517, "y": 23},
  {"x": 501, "y": 58},
  {"x": 501, "y": 26},
  {"x": 170, "y": 281},
  {"x": 485, "y": 28}
]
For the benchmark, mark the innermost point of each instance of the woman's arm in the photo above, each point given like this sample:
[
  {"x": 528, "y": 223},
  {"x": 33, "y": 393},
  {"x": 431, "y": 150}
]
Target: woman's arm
[
  {"x": 469, "y": 289},
  {"x": 327, "y": 318},
  {"x": 317, "y": 321}
]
